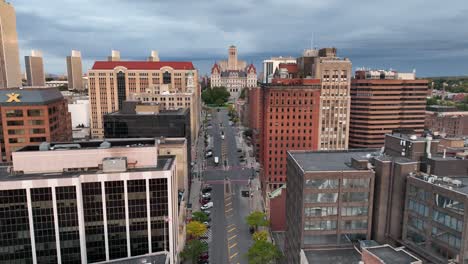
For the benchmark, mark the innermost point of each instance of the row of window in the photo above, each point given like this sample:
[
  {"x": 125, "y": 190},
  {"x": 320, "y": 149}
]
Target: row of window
[
  {"x": 332, "y": 224},
  {"x": 334, "y": 183},
  {"x": 323, "y": 211},
  {"x": 20, "y": 113},
  {"x": 347, "y": 197}
]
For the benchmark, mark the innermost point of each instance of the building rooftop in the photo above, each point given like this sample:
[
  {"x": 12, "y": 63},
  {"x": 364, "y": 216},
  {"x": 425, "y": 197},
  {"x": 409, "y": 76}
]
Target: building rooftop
[
  {"x": 333, "y": 256},
  {"x": 163, "y": 163},
  {"x": 143, "y": 65},
  {"x": 94, "y": 144},
  {"x": 158, "y": 258},
  {"x": 165, "y": 112},
  {"x": 330, "y": 160},
  {"x": 410, "y": 137},
  {"x": 390, "y": 255},
  {"x": 29, "y": 96},
  {"x": 455, "y": 183}
]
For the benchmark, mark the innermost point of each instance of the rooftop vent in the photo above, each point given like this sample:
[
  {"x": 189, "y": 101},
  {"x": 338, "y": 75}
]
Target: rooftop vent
[
  {"x": 44, "y": 146},
  {"x": 65, "y": 146},
  {"x": 114, "y": 164},
  {"x": 105, "y": 145},
  {"x": 414, "y": 137}
]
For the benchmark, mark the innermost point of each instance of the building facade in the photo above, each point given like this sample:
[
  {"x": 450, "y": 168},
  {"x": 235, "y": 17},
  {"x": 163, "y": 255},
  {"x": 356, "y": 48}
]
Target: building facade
[
  {"x": 75, "y": 71},
  {"x": 171, "y": 84},
  {"x": 383, "y": 101},
  {"x": 30, "y": 116},
  {"x": 271, "y": 65},
  {"x": 447, "y": 124},
  {"x": 93, "y": 202},
  {"x": 138, "y": 120},
  {"x": 10, "y": 70},
  {"x": 233, "y": 74},
  {"x": 34, "y": 69},
  {"x": 283, "y": 117},
  {"x": 329, "y": 198}
]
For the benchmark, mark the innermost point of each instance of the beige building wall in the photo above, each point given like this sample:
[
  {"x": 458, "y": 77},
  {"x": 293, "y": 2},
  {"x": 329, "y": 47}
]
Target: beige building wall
[
  {"x": 144, "y": 85},
  {"x": 233, "y": 63},
  {"x": 75, "y": 71},
  {"x": 178, "y": 148},
  {"x": 35, "y": 69},
  {"x": 10, "y": 70},
  {"x": 335, "y": 102}
]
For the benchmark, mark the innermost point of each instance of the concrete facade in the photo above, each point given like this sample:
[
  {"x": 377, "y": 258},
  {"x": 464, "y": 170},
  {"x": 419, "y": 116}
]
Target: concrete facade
[
  {"x": 35, "y": 69},
  {"x": 10, "y": 70},
  {"x": 271, "y": 65},
  {"x": 381, "y": 102},
  {"x": 172, "y": 84},
  {"x": 75, "y": 71}
]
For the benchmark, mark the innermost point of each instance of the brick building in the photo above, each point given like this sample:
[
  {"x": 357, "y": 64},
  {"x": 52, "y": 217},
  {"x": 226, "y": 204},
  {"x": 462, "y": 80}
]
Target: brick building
[
  {"x": 383, "y": 101},
  {"x": 448, "y": 124},
  {"x": 30, "y": 116},
  {"x": 171, "y": 84}
]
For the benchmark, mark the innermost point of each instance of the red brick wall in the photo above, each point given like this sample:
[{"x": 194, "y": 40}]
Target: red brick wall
[
  {"x": 278, "y": 212},
  {"x": 369, "y": 258}
]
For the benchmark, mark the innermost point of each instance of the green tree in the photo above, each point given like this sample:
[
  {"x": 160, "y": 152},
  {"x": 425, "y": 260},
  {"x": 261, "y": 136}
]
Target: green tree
[
  {"x": 263, "y": 252},
  {"x": 260, "y": 236},
  {"x": 193, "y": 250},
  {"x": 215, "y": 95},
  {"x": 200, "y": 217},
  {"x": 219, "y": 102},
  {"x": 242, "y": 94},
  {"x": 196, "y": 229},
  {"x": 256, "y": 219}
]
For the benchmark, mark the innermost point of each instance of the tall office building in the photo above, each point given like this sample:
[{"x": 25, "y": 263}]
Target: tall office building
[
  {"x": 383, "y": 101},
  {"x": 272, "y": 64},
  {"x": 329, "y": 198},
  {"x": 75, "y": 72},
  {"x": 171, "y": 84},
  {"x": 35, "y": 69},
  {"x": 154, "y": 56},
  {"x": 10, "y": 70},
  {"x": 30, "y": 116},
  {"x": 89, "y": 202},
  {"x": 115, "y": 56},
  {"x": 335, "y": 76}
]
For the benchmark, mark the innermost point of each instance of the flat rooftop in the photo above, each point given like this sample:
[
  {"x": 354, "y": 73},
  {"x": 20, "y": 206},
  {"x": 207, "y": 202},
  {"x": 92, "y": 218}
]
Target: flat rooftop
[
  {"x": 158, "y": 258},
  {"x": 333, "y": 256},
  {"x": 175, "y": 112},
  {"x": 330, "y": 160},
  {"x": 163, "y": 164},
  {"x": 95, "y": 144},
  {"x": 455, "y": 183},
  {"x": 390, "y": 255},
  {"x": 409, "y": 137},
  {"x": 29, "y": 96}
]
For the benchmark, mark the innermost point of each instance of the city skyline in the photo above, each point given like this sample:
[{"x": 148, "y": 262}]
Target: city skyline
[{"x": 425, "y": 40}]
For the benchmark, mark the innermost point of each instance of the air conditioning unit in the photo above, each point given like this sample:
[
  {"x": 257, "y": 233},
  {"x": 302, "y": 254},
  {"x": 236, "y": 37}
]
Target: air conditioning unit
[{"x": 114, "y": 164}]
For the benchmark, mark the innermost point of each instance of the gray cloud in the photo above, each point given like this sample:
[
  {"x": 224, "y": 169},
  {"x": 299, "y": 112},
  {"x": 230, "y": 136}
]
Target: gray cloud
[{"x": 398, "y": 34}]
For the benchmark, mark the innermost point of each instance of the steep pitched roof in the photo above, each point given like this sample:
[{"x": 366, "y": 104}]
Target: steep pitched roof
[
  {"x": 143, "y": 65},
  {"x": 251, "y": 66}
]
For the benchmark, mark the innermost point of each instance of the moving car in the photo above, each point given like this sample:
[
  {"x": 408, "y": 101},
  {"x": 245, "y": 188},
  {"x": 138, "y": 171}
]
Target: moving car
[
  {"x": 209, "y": 154},
  {"x": 206, "y": 195},
  {"x": 216, "y": 160},
  {"x": 207, "y": 206}
]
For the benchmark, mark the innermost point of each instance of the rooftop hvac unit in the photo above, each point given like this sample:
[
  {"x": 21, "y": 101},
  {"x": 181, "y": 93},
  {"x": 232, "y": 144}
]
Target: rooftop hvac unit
[
  {"x": 447, "y": 179},
  {"x": 457, "y": 183},
  {"x": 114, "y": 164}
]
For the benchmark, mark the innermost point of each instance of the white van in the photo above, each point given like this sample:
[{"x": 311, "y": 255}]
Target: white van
[{"x": 216, "y": 160}]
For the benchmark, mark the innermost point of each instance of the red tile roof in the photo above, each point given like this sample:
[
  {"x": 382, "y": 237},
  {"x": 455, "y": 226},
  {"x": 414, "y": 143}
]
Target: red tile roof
[{"x": 143, "y": 65}]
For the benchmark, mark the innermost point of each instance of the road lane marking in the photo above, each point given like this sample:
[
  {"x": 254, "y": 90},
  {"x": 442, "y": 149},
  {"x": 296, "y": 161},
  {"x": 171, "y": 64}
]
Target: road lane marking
[
  {"x": 230, "y": 203},
  {"x": 228, "y": 210},
  {"x": 232, "y": 229},
  {"x": 231, "y": 238},
  {"x": 233, "y": 245},
  {"x": 233, "y": 255},
  {"x": 231, "y": 225}
]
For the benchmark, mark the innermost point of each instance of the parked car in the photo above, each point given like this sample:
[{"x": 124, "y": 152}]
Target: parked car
[
  {"x": 207, "y": 224},
  {"x": 205, "y": 200},
  {"x": 239, "y": 150},
  {"x": 222, "y": 136},
  {"x": 251, "y": 230},
  {"x": 206, "y": 189},
  {"x": 208, "y": 212},
  {"x": 206, "y": 195},
  {"x": 209, "y": 154},
  {"x": 207, "y": 206},
  {"x": 204, "y": 256}
]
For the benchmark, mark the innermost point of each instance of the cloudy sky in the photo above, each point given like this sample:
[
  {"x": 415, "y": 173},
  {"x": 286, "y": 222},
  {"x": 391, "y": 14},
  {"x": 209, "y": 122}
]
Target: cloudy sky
[{"x": 427, "y": 35}]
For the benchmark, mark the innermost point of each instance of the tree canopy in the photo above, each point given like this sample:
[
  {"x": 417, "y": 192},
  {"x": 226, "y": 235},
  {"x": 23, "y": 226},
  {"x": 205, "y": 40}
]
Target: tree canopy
[
  {"x": 257, "y": 219},
  {"x": 193, "y": 249},
  {"x": 200, "y": 217},
  {"x": 263, "y": 252},
  {"x": 196, "y": 229},
  {"x": 260, "y": 236},
  {"x": 215, "y": 95}
]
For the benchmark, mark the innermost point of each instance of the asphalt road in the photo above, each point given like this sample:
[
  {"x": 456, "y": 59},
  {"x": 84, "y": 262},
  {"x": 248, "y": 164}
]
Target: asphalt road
[{"x": 230, "y": 235}]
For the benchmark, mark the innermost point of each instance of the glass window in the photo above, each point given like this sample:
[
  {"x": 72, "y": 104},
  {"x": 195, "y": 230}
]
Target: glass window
[
  {"x": 415, "y": 236},
  {"x": 37, "y": 131},
  {"x": 348, "y": 197},
  {"x": 354, "y": 224},
  {"x": 35, "y": 112},
  {"x": 166, "y": 77},
  {"x": 448, "y": 238},
  {"x": 416, "y": 223},
  {"x": 14, "y": 113},
  {"x": 15, "y": 123},
  {"x": 449, "y": 204},
  {"x": 15, "y": 131},
  {"x": 320, "y": 225},
  {"x": 322, "y": 183},
  {"x": 356, "y": 183},
  {"x": 418, "y": 208},
  {"x": 420, "y": 193},
  {"x": 36, "y": 122},
  {"x": 354, "y": 210},
  {"x": 447, "y": 220},
  {"x": 321, "y": 197},
  {"x": 37, "y": 139},
  {"x": 16, "y": 140},
  {"x": 320, "y": 211}
]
